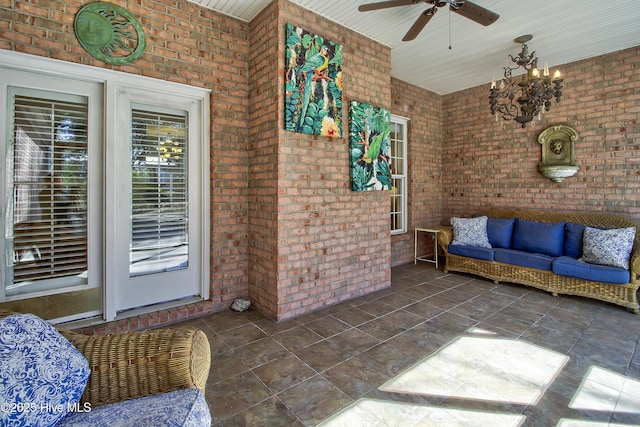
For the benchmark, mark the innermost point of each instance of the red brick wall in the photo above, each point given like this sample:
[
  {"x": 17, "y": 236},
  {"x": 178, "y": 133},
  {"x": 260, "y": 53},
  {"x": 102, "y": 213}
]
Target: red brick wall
[
  {"x": 485, "y": 165},
  {"x": 332, "y": 243},
  {"x": 424, "y": 150},
  {"x": 186, "y": 44},
  {"x": 264, "y": 124}
]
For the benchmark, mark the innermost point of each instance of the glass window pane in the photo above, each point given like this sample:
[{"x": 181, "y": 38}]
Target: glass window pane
[
  {"x": 397, "y": 194},
  {"x": 49, "y": 181},
  {"x": 159, "y": 193},
  {"x": 398, "y": 167}
]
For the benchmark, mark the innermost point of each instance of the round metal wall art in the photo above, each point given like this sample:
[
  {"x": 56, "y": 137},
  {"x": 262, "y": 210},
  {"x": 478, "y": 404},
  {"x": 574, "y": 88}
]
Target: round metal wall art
[{"x": 109, "y": 33}]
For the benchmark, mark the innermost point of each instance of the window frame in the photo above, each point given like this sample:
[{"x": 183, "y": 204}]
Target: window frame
[
  {"x": 114, "y": 84},
  {"x": 401, "y": 175}
]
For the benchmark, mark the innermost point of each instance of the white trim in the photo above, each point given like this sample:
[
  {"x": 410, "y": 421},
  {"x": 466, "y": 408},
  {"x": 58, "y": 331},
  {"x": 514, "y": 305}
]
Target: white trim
[
  {"x": 404, "y": 122},
  {"x": 55, "y": 67}
]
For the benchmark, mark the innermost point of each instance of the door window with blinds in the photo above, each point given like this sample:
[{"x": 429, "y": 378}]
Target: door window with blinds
[
  {"x": 49, "y": 187},
  {"x": 104, "y": 191},
  {"x": 164, "y": 227},
  {"x": 159, "y": 198}
]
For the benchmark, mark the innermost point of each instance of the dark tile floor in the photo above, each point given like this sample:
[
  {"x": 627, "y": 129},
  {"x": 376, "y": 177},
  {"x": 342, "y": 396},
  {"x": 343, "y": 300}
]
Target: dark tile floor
[{"x": 435, "y": 349}]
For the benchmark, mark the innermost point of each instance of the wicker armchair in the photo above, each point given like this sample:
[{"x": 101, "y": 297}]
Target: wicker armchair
[
  {"x": 624, "y": 295},
  {"x": 138, "y": 364}
]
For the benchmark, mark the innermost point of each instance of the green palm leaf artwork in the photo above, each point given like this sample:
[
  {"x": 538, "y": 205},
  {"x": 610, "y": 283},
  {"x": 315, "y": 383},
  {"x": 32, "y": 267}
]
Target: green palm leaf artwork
[
  {"x": 370, "y": 147},
  {"x": 313, "y": 84}
]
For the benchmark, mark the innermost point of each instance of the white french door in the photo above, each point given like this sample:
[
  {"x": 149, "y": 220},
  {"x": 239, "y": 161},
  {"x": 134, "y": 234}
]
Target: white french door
[
  {"x": 161, "y": 223},
  {"x": 104, "y": 189}
]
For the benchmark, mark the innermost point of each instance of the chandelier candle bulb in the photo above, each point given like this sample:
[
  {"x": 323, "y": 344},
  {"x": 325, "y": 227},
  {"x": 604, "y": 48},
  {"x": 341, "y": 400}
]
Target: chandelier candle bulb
[{"x": 546, "y": 70}]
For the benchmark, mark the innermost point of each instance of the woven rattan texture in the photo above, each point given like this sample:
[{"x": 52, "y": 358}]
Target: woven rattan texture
[
  {"x": 137, "y": 364},
  {"x": 623, "y": 295}
]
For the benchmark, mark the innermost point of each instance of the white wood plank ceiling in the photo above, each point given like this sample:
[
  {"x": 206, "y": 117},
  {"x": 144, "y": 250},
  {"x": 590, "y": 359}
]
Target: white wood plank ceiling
[{"x": 563, "y": 31}]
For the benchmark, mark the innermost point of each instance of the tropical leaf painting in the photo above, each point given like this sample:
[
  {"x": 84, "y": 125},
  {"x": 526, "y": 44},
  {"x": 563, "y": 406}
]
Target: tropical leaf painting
[
  {"x": 370, "y": 147},
  {"x": 313, "y": 84}
]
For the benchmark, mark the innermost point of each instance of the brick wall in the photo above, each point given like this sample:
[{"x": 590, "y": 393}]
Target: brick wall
[
  {"x": 424, "y": 150},
  {"x": 265, "y": 61},
  {"x": 332, "y": 243},
  {"x": 486, "y": 165},
  {"x": 186, "y": 44}
]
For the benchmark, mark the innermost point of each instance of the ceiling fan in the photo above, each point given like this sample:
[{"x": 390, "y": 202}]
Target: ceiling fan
[{"x": 462, "y": 7}]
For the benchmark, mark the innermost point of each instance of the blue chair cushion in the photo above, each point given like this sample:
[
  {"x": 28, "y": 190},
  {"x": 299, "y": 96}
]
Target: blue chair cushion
[
  {"x": 471, "y": 251},
  {"x": 568, "y": 266},
  {"x": 186, "y": 407},
  {"x": 539, "y": 237},
  {"x": 573, "y": 239},
  {"x": 42, "y": 374},
  {"x": 524, "y": 259},
  {"x": 500, "y": 231}
]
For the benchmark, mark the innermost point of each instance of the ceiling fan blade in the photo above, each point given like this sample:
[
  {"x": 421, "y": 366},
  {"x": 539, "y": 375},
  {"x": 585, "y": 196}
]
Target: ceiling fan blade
[
  {"x": 476, "y": 13},
  {"x": 420, "y": 23},
  {"x": 385, "y": 4}
]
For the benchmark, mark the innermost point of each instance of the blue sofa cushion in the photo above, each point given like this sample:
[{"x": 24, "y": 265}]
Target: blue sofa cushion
[
  {"x": 186, "y": 407},
  {"x": 608, "y": 247},
  {"x": 539, "y": 237},
  {"x": 472, "y": 251},
  {"x": 42, "y": 374},
  {"x": 524, "y": 259},
  {"x": 499, "y": 232},
  {"x": 567, "y": 266},
  {"x": 573, "y": 239},
  {"x": 470, "y": 231}
]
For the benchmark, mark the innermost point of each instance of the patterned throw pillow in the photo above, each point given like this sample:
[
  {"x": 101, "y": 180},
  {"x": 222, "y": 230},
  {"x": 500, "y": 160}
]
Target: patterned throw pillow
[
  {"x": 42, "y": 375},
  {"x": 608, "y": 247},
  {"x": 470, "y": 231}
]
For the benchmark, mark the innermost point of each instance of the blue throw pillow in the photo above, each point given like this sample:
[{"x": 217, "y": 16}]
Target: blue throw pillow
[
  {"x": 500, "y": 231},
  {"x": 43, "y": 374},
  {"x": 573, "y": 240},
  {"x": 608, "y": 247},
  {"x": 470, "y": 231},
  {"x": 539, "y": 237}
]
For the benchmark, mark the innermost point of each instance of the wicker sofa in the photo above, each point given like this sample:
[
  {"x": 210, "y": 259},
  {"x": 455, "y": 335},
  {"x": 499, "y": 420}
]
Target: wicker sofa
[
  {"x": 135, "y": 366},
  {"x": 624, "y": 294}
]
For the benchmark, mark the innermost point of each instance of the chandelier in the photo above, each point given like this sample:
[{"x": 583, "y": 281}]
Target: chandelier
[{"x": 528, "y": 98}]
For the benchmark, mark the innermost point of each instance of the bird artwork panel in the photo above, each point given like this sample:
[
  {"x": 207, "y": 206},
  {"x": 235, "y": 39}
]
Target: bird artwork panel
[
  {"x": 370, "y": 147},
  {"x": 313, "y": 84}
]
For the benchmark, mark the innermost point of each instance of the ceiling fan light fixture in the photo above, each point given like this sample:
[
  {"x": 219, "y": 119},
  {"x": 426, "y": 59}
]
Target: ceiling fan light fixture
[{"x": 528, "y": 97}]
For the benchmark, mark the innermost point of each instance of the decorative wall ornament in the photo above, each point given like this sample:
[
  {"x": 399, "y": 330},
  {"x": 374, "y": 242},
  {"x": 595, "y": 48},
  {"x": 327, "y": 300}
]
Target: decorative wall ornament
[
  {"x": 109, "y": 33},
  {"x": 313, "y": 84},
  {"x": 558, "y": 152},
  {"x": 370, "y": 147}
]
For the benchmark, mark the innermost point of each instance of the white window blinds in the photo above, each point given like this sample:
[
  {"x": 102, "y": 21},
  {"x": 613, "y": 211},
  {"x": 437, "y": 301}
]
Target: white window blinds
[
  {"x": 159, "y": 194},
  {"x": 49, "y": 183}
]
